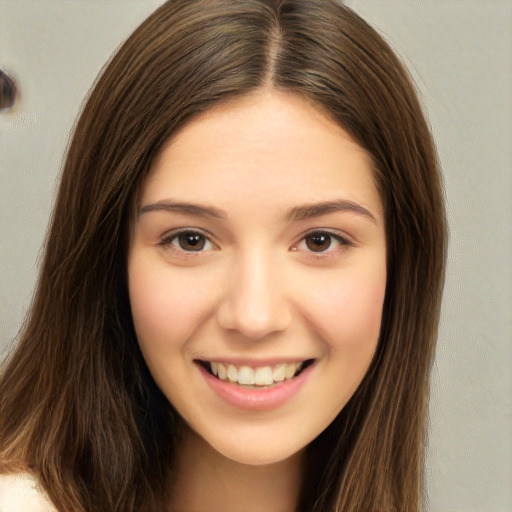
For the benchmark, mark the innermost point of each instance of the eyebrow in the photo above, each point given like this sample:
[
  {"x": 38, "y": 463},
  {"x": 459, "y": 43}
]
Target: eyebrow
[
  {"x": 295, "y": 214},
  {"x": 309, "y": 211},
  {"x": 186, "y": 208}
]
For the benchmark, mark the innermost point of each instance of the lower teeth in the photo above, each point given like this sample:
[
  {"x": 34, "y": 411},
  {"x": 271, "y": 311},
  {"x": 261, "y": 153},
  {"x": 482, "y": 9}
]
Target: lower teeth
[{"x": 254, "y": 386}]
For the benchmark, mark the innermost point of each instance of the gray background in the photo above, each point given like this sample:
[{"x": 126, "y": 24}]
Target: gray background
[{"x": 460, "y": 55}]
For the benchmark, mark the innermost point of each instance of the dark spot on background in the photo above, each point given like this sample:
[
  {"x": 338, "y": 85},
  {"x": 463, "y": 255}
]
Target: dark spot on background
[{"x": 7, "y": 91}]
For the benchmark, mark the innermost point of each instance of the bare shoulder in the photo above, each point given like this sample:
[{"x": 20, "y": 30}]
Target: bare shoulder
[{"x": 21, "y": 493}]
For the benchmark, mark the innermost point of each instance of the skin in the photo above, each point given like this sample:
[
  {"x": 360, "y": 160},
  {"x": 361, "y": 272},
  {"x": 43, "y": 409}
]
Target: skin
[{"x": 259, "y": 289}]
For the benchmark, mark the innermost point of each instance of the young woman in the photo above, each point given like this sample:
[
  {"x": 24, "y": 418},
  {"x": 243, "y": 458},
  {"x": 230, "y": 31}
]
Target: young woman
[{"x": 238, "y": 305}]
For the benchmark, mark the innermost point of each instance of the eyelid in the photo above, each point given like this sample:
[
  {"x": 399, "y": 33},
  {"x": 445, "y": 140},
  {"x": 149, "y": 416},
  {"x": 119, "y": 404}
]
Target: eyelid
[
  {"x": 168, "y": 238},
  {"x": 341, "y": 238}
]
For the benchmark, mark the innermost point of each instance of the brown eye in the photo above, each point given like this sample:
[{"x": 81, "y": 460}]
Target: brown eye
[
  {"x": 191, "y": 241},
  {"x": 318, "y": 242}
]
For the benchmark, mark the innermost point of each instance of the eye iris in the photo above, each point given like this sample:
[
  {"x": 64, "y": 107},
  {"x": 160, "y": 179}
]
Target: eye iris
[
  {"x": 191, "y": 241},
  {"x": 318, "y": 242}
]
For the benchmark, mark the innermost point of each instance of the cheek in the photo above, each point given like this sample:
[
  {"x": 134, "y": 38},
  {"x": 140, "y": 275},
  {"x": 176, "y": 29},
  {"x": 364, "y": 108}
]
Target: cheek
[
  {"x": 347, "y": 310},
  {"x": 165, "y": 308}
]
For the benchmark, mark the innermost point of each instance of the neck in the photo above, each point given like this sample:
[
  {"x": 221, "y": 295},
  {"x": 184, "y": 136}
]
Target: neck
[{"x": 205, "y": 480}]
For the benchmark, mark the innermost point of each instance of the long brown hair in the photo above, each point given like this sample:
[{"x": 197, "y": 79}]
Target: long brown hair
[{"x": 78, "y": 406}]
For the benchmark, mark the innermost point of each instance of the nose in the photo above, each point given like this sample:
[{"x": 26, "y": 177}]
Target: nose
[{"x": 254, "y": 302}]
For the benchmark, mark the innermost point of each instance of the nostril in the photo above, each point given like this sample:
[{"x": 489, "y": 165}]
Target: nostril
[{"x": 7, "y": 91}]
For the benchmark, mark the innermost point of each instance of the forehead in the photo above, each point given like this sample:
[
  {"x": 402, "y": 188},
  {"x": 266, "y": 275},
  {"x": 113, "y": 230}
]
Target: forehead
[{"x": 270, "y": 147}]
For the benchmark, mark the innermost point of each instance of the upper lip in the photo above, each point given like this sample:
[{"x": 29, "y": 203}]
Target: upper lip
[{"x": 254, "y": 363}]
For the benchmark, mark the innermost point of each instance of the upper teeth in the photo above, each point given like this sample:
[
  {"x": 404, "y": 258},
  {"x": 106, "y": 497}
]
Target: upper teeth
[{"x": 260, "y": 376}]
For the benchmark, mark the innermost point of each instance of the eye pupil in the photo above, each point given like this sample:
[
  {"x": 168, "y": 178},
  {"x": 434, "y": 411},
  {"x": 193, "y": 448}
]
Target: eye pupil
[
  {"x": 191, "y": 241},
  {"x": 318, "y": 242}
]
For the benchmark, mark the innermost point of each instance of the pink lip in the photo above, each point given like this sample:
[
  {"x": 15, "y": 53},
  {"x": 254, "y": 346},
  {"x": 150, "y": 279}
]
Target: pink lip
[
  {"x": 254, "y": 363},
  {"x": 256, "y": 399}
]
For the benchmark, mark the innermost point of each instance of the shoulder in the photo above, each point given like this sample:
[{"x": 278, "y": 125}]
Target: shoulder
[{"x": 21, "y": 492}]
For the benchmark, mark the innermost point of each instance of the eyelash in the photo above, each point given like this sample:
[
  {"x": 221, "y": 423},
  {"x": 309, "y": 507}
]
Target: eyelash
[
  {"x": 339, "y": 239},
  {"x": 172, "y": 240}
]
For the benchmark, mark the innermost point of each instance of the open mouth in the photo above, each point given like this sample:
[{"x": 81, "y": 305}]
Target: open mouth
[{"x": 255, "y": 377}]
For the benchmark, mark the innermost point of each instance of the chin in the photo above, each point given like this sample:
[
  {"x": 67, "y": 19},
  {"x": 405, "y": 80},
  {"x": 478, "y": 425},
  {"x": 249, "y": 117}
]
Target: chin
[{"x": 260, "y": 453}]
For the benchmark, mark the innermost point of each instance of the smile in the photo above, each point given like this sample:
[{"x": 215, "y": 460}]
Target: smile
[
  {"x": 256, "y": 388},
  {"x": 260, "y": 376}
]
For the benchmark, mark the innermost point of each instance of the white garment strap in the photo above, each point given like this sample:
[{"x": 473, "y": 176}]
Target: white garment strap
[{"x": 21, "y": 493}]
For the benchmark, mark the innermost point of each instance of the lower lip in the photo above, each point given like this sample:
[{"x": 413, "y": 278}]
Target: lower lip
[{"x": 256, "y": 399}]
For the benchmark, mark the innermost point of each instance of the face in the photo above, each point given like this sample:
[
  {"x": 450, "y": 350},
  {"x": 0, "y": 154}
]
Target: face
[{"x": 257, "y": 273}]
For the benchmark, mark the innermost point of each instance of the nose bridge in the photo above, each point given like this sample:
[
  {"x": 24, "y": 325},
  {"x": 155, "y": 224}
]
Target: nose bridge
[{"x": 255, "y": 301}]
